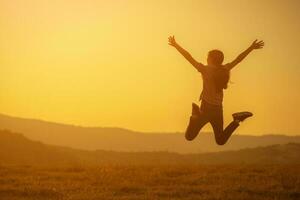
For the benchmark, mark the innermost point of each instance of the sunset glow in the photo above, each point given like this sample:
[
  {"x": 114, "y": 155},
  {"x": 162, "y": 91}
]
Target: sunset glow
[{"x": 108, "y": 63}]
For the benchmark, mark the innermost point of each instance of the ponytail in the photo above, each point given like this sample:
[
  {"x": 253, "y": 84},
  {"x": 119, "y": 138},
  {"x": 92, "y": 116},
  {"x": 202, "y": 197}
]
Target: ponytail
[{"x": 222, "y": 76}]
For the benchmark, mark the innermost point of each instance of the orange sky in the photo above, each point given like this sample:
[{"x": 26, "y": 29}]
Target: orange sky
[{"x": 107, "y": 63}]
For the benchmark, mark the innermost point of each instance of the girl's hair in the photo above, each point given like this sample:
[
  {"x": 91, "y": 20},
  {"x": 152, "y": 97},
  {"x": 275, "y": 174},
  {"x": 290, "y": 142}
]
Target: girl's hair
[
  {"x": 216, "y": 57},
  {"x": 222, "y": 75}
]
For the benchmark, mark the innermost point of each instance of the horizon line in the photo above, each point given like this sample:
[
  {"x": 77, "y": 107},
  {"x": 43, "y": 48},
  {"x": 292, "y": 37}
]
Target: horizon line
[{"x": 131, "y": 130}]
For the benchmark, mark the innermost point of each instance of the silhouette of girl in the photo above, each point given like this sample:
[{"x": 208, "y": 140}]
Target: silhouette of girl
[{"x": 215, "y": 77}]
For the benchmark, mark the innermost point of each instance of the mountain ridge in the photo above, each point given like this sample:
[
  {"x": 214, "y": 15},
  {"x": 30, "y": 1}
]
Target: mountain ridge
[
  {"x": 16, "y": 149},
  {"x": 119, "y": 139}
]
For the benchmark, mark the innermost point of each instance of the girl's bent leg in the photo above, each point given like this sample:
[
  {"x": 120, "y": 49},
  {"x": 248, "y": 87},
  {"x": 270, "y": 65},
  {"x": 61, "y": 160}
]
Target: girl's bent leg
[
  {"x": 195, "y": 124},
  {"x": 229, "y": 130},
  {"x": 222, "y": 136}
]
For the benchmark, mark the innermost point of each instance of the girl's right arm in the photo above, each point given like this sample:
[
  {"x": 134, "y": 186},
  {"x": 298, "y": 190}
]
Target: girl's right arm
[
  {"x": 186, "y": 54},
  {"x": 254, "y": 45}
]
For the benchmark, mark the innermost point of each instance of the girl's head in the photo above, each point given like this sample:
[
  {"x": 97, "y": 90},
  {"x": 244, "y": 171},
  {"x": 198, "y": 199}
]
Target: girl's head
[{"x": 215, "y": 57}]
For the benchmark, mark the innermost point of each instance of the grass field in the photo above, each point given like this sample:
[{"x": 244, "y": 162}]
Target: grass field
[{"x": 151, "y": 182}]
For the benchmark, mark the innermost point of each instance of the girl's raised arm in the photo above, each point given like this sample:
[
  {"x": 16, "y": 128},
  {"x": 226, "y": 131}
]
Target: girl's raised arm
[
  {"x": 186, "y": 54},
  {"x": 254, "y": 45}
]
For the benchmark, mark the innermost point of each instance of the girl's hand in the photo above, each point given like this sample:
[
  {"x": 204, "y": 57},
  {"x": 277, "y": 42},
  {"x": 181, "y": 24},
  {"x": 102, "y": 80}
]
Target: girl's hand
[
  {"x": 172, "y": 41},
  {"x": 257, "y": 45}
]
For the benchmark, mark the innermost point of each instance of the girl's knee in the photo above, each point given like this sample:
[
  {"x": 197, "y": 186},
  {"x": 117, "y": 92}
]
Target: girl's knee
[
  {"x": 189, "y": 136},
  {"x": 220, "y": 141}
]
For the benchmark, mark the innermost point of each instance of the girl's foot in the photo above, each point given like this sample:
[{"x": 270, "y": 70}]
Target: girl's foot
[
  {"x": 195, "y": 109},
  {"x": 241, "y": 116}
]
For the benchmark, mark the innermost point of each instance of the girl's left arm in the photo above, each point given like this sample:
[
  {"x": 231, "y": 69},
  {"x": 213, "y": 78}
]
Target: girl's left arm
[{"x": 244, "y": 54}]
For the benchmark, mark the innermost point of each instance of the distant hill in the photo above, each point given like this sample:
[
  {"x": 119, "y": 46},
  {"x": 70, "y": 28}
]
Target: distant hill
[
  {"x": 118, "y": 139},
  {"x": 15, "y": 149}
]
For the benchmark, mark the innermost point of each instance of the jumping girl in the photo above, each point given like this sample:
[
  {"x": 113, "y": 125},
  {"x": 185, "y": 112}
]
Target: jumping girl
[{"x": 215, "y": 77}]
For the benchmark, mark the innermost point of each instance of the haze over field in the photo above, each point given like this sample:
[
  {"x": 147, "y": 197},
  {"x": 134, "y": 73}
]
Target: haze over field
[
  {"x": 107, "y": 63},
  {"x": 27, "y": 152},
  {"x": 117, "y": 139}
]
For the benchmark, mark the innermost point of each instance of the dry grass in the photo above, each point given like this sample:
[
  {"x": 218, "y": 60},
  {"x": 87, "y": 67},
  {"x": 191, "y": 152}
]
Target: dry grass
[{"x": 150, "y": 182}]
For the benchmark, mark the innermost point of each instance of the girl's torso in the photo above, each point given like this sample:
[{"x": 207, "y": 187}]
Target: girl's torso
[{"x": 210, "y": 93}]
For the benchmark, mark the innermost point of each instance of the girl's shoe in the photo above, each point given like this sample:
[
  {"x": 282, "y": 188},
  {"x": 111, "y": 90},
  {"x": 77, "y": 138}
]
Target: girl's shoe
[
  {"x": 241, "y": 116},
  {"x": 195, "y": 109}
]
